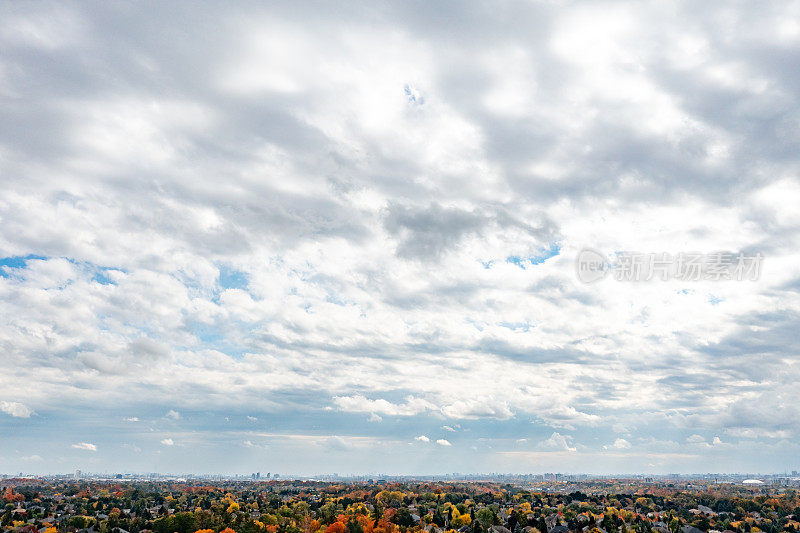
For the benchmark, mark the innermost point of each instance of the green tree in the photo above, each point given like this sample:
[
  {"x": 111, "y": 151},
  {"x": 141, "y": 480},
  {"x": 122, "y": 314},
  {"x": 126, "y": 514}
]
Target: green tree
[{"x": 485, "y": 517}]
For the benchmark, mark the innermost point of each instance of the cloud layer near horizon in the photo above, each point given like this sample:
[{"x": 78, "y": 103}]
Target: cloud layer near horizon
[{"x": 251, "y": 231}]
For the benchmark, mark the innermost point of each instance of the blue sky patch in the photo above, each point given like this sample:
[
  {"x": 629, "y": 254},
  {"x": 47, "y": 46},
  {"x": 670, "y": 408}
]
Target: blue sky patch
[
  {"x": 413, "y": 95},
  {"x": 101, "y": 276},
  {"x": 517, "y": 326},
  {"x": 546, "y": 253},
  {"x": 213, "y": 339},
  {"x": 230, "y": 278},
  {"x": 19, "y": 261}
]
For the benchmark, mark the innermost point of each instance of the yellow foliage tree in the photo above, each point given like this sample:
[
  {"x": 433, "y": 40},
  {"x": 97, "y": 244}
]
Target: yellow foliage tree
[{"x": 459, "y": 519}]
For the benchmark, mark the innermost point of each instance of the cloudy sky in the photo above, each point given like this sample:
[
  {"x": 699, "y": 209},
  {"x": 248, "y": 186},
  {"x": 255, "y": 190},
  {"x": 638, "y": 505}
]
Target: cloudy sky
[{"x": 341, "y": 237}]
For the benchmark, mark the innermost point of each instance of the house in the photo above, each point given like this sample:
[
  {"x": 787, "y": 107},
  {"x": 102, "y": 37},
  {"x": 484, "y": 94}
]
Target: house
[{"x": 660, "y": 527}]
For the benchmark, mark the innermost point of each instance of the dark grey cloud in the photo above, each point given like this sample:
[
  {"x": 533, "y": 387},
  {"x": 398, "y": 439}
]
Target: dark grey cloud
[{"x": 428, "y": 232}]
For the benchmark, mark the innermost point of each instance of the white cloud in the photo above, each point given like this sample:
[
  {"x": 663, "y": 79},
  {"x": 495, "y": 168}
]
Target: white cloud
[
  {"x": 620, "y": 428},
  {"x": 448, "y": 428},
  {"x": 755, "y": 433},
  {"x": 478, "y": 408},
  {"x": 174, "y": 415},
  {"x": 15, "y": 409},
  {"x": 247, "y": 443},
  {"x": 132, "y": 419},
  {"x": 619, "y": 444},
  {"x": 443, "y": 442},
  {"x": 422, "y": 438},
  {"x": 252, "y": 418},
  {"x": 558, "y": 442},
  {"x": 374, "y": 418},
  {"x": 167, "y": 442},
  {"x": 566, "y": 417},
  {"x": 337, "y": 443},
  {"x": 360, "y": 404},
  {"x": 698, "y": 441},
  {"x": 85, "y": 446}
]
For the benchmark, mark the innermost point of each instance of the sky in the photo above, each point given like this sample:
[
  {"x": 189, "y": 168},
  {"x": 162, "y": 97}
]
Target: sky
[{"x": 341, "y": 237}]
